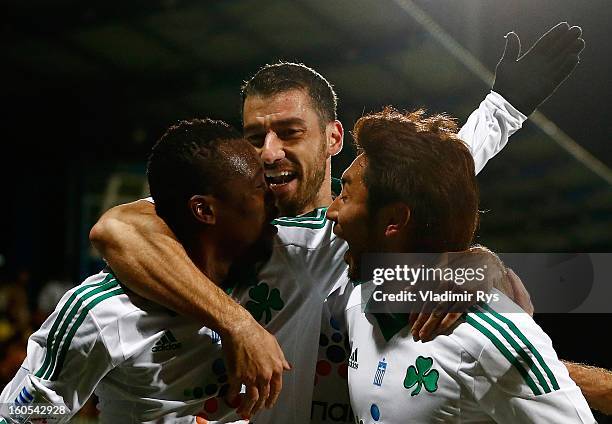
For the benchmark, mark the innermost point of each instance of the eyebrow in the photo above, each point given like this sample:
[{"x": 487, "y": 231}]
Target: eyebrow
[{"x": 276, "y": 123}]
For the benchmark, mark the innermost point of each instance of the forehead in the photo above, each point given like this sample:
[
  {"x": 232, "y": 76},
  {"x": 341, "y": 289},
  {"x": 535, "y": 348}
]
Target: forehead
[
  {"x": 242, "y": 158},
  {"x": 265, "y": 110},
  {"x": 354, "y": 173}
]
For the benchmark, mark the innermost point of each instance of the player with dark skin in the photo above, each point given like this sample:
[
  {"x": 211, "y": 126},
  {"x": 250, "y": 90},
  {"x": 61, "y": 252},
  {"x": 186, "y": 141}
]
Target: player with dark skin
[{"x": 296, "y": 140}]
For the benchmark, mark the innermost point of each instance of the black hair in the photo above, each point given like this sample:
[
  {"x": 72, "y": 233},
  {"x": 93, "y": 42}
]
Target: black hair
[
  {"x": 188, "y": 159},
  {"x": 284, "y": 76}
]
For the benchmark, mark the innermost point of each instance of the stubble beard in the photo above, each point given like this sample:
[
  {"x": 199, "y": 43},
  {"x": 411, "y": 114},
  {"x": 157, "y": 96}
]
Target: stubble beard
[{"x": 309, "y": 187}]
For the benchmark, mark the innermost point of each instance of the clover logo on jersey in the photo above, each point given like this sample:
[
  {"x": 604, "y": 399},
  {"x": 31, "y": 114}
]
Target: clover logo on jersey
[
  {"x": 421, "y": 376},
  {"x": 263, "y": 301}
]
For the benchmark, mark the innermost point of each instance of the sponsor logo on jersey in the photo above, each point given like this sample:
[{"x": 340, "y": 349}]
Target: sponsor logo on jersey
[
  {"x": 375, "y": 412},
  {"x": 334, "y": 350},
  {"x": 352, "y": 362},
  {"x": 380, "y": 373},
  {"x": 166, "y": 342},
  {"x": 331, "y": 412}
]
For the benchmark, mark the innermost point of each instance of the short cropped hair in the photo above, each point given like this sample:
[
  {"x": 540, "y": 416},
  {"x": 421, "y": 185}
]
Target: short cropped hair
[
  {"x": 189, "y": 159},
  {"x": 280, "y": 77},
  {"x": 420, "y": 161}
]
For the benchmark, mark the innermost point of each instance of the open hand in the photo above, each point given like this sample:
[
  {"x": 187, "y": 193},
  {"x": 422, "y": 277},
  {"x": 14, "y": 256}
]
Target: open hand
[
  {"x": 527, "y": 80},
  {"x": 255, "y": 359}
]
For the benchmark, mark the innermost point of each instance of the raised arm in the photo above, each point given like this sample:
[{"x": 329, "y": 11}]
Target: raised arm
[
  {"x": 146, "y": 257},
  {"x": 595, "y": 384},
  {"x": 522, "y": 83},
  {"x": 527, "y": 80}
]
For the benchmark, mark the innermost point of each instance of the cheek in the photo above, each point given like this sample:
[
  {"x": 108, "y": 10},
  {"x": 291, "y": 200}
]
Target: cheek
[
  {"x": 257, "y": 211},
  {"x": 346, "y": 220},
  {"x": 304, "y": 153},
  {"x": 358, "y": 227}
]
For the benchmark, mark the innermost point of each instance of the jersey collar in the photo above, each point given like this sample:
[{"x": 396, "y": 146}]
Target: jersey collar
[{"x": 389, "y": 323}]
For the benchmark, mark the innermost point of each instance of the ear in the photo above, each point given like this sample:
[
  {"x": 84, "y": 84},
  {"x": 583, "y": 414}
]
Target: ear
[
  {"x": 396, "y": 217},
  {"x": 335, "y": 136},
  {"x": 203, "y": 209}
]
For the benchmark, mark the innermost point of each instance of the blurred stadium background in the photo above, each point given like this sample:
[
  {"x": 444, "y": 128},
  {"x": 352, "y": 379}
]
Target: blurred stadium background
[{"x": 89, "y": 86}]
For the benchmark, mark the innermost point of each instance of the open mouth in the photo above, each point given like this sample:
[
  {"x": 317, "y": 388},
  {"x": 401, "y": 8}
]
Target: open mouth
[{"x": 279, "y": 178}]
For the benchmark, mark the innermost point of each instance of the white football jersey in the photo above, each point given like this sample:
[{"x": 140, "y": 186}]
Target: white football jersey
[
  {"x": 288, "y": 297},
  {"x": 147, "y": 364},
  {"x": 491, "y": 367},
  {"x": 486, "y": 132}
]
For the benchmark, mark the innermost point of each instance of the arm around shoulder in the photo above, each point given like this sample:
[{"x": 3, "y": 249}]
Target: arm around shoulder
[{"x": 146, "y": 256}]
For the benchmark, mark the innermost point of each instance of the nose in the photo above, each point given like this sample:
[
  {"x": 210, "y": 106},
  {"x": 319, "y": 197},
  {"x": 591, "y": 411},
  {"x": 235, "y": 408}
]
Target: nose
[
  {"x": 272, "y": 149},
  {"x": 332, "y": 211}
]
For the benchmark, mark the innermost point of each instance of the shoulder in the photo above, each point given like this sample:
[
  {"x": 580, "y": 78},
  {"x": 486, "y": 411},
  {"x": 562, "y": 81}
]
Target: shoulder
[
  {"x": 487, "y": 325},
  {"x": 508, "y": 347},
  {"x": 101, "y": 297}
]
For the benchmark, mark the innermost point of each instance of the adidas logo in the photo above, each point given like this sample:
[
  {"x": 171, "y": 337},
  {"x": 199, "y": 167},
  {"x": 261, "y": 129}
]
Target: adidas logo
[
  {"x": 166, "y": 342},
  {"x": 352, "y": 362}
]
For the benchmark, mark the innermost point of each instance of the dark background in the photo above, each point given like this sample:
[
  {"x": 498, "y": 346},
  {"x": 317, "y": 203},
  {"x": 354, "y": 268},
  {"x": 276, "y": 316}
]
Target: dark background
[{"x": 87, "y": 87}]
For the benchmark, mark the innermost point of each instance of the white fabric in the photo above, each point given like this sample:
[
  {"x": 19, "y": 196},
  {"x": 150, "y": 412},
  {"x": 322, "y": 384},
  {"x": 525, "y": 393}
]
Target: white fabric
[
  {"x": 489, "y": 127},
  {"x": 307, "y": 264},
  {"x": 473, "y": 382},
  {"x": 486, "y": 132},
  {"x": 147, "y": 364}
]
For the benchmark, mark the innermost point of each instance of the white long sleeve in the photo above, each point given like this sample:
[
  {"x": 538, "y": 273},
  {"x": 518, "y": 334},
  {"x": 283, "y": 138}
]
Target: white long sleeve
[{"x": 488, "y": 128}]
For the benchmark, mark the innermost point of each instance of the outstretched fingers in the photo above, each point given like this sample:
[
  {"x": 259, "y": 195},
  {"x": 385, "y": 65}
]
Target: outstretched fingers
[
  {"x": 550, "y": 38},
  {"x": 565, "y": 41}
]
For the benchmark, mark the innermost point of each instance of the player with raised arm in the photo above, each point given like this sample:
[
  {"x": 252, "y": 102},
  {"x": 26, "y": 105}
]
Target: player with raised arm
[{"x": 289, "y": 113}]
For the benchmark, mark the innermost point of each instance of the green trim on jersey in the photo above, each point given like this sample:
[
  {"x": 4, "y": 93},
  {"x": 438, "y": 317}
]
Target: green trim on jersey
[
  {"x": 78, "y": 322},
  {"x": 358, "y": 282},
  {"x": 301, "y": 225},
  {"x": 505, "y": 352},
  {"x": 315, "y": 219},
  {"x": 516, "y": 346},
  {"x": 58, "y": 320},
  {"x": 54, "y": 338},
  {"x": 527, "y": 343},
  {"x": 390, "y": 324},
  {"x": 314, "y": 215}
]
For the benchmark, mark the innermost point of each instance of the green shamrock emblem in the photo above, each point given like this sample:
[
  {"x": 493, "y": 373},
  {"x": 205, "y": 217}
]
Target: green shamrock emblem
[
  {"x": 263, "y": 301},
  {"x": 422, "y": 376}
]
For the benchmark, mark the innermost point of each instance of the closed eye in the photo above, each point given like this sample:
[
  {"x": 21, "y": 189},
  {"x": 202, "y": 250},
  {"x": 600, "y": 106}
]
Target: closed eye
[{"x": 289, "y": 133}]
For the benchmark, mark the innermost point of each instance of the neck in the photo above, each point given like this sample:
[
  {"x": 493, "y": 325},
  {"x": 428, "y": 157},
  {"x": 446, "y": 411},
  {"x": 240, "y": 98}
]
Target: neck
[{"x": 209, "y": 258}]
